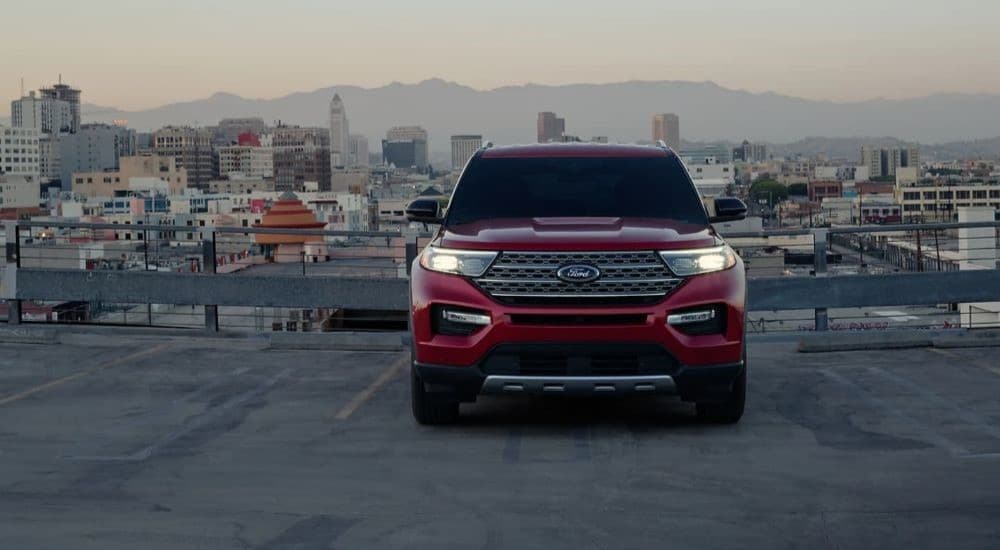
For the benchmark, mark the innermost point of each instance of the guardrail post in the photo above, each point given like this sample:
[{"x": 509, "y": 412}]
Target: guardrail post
[
  {"x": 208, "y": 266},
  {"x": 411, "y": 253},
  {"x": 13, "y": 256},
  {"x": 820, "y": 240}
]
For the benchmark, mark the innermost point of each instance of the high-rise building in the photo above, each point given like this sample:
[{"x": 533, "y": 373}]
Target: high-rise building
[
  {"x": 340, "y": 136},
  {"x": 550, "y": 127},
  {"x": 406, "y": 147},
  {"x": 229, "y": 129},
  {"x": 95, "y": 148},
  {"x": 299, "y": 136},
  {"x": 750, "y": 152},
  {"x": 45, "y": 114},
  {"x": 296, "y": 165},
  {"x": 883, "y": 161},
  {"x": 359, "y": 150},
  {"x": 462, "y": 149},
  {"x": 667, "y": 128},
  {"x": 192, "y": 149},
  {"x": 66, "y": 93},
  {"x": 19, "y": 154},
  {"x": 405, "y": 154},
  {"x": 246, "y": 160}
]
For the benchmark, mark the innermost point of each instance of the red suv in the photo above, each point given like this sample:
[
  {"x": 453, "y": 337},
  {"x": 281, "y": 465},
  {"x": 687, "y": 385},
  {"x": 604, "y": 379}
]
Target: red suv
[{"x": 577, "y": 269}]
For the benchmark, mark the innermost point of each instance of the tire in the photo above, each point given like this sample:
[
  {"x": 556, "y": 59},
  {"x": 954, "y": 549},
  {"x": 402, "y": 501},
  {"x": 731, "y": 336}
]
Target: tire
[
  {"x": 729, "y": 411},
  {"x": 431, "y": 409}
]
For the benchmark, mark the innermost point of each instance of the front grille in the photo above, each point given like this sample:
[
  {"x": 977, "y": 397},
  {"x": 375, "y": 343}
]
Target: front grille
[
  {"x": 638, "y": 319},
  {"x": 529, "y": 278},
  {"x": 579, "y": 360}
]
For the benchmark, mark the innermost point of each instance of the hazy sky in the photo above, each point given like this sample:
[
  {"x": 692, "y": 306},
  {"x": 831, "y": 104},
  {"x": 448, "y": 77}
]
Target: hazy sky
[{"x": 143, "y": 53}]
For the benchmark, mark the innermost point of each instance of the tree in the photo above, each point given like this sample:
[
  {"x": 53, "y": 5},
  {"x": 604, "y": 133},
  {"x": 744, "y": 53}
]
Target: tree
[
  {"x": 769, "y": 190},
  {"x": 798, "y": 189}
]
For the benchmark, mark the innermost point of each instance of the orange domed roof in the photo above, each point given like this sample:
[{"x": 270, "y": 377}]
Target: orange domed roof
[{"x": 288, "y": 212}]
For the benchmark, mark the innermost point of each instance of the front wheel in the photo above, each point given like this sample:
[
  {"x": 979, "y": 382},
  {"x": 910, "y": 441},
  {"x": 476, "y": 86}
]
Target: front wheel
[
  {"x": 431, "y": 408},
  {"x": 729, "y": 411}
]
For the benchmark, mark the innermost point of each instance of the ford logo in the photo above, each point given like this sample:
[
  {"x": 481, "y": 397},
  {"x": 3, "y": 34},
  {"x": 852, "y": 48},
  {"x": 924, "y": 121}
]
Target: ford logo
[{"x": 578, "y": 273}]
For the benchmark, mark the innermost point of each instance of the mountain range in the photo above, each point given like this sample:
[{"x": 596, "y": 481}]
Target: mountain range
[{"x": 621, "y": 111}]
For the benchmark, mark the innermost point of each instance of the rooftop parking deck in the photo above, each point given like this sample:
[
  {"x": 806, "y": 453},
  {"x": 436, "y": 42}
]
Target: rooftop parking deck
[{"x": 162, "y": 441}]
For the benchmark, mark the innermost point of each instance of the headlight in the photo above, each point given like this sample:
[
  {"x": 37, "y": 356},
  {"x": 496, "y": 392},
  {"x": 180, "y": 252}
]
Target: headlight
[
  {"x": 471, "y": 263},
  {"x": 702, "y": 260}
]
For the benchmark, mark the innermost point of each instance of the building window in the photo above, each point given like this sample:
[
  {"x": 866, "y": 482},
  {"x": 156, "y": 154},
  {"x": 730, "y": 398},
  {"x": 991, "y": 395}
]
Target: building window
[{"x": 961, "y": 194}]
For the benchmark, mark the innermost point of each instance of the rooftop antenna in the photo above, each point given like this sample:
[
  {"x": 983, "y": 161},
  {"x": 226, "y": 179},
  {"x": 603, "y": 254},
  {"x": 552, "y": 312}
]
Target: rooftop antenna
[
  {"x": 22, "y": 86},
  {"x": 60, "y": 79}
]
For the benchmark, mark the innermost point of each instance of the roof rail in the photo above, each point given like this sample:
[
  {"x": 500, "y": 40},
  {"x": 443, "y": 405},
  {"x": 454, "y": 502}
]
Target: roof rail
[
  {"x": 487, "y": 145},
  {"x": 661, "y": 144}
]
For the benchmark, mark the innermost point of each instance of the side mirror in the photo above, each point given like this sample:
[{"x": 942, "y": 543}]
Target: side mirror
[
  {"x": 728, "y": 209},
  {"x": 424, "y": 211}
]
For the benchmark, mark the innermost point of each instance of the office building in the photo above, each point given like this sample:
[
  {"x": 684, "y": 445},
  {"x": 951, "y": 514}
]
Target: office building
[
  {"x": 95, "y": 148},
  {"x": 340, "y": 136},
  {"x": 299, "y": 136},
  {"x": 229, "y": 129},
  {"x": 359, "y": 150},
  {"x": 70, "y": 95},
  {"x": 406, "y": 148},
  {"x": 398, "y": 133},
  {"x": 19, "y": 155},
  {"x": 667, "y": 128},
  {"x": 295, "y": 166},
  {"x": 707, "y": 154},
  {"x": 246, "y": 161},
  {"x": 45, "y": 114},
  {"x": 405, "y": 154},
  {"x": 750, "y": 152},
  {"x": 550, "y": 127},
  {"x": 883, "y": 161},
  {"x": 462, "y": 149},
  {"x": 240, "y": 186},
  {"x": 146, "y": 173},
  {"x": 942, "y": 202},
  {"x": 16, "y": 191},
  {"x": 191, "y": 148}
]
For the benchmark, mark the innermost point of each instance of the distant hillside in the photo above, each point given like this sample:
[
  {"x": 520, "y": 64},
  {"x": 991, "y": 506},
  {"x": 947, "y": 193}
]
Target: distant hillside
[{"x": 620, "y": 111}]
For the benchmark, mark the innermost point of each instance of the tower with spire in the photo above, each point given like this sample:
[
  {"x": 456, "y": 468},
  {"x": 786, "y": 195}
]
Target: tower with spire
[{"x": 339, "y": 135}]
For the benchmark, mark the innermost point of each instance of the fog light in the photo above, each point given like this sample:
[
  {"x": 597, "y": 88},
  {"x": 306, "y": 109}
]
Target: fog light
[
  {"x": 690, "y": 317},
  {"x": 466, "y": 318},
  {"x": 453, "y": 321}
]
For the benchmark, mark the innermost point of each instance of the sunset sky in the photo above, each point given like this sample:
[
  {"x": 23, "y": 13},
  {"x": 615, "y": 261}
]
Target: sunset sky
[{"x": 139, "y": 54}]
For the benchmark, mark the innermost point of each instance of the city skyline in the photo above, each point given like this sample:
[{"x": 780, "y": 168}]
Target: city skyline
[{"x": 771, "y": 45}]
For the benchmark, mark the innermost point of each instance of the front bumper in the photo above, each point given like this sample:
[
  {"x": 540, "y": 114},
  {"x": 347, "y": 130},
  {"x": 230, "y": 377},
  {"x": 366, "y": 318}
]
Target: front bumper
[
  {"x": 696, "y": 384},
  {"x": 725, "y": 288}
]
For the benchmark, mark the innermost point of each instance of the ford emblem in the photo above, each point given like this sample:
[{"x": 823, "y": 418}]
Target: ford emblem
[{"x": 578, "y": 273}]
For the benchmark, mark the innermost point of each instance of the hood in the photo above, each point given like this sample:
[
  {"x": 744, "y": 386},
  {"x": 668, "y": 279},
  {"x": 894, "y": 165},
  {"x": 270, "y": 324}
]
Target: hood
[{"x": 563, "y": 234}]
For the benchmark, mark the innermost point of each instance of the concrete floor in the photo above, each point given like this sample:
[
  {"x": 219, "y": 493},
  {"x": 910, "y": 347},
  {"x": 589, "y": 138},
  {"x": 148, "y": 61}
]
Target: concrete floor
[{"x": 157, "y": 442}]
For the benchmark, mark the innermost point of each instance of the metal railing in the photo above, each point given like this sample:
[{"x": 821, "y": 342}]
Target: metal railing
[{"x": 239, "y": 274}]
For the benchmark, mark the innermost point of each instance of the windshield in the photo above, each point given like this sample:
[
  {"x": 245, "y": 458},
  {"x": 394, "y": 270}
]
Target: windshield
[{"x": 652, "y": 187}]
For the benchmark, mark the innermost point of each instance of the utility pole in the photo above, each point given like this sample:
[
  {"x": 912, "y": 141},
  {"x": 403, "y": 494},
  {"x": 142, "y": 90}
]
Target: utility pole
[{"x": 920, "y": 254}]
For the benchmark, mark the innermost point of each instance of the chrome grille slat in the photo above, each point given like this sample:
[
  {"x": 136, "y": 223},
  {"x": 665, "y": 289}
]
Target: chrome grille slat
[{"x": 530, "y": 277}]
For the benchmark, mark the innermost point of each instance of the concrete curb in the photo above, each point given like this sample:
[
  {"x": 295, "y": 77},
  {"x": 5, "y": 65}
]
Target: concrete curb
[
  {"x": 970, "y": 339},
  {"x": 337, "y": 341},
  {"x": 28, "y": 335},
  {"x": 897, "y": 339}
]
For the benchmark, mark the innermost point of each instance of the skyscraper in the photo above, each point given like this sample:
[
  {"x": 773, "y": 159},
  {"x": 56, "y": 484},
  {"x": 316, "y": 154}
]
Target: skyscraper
[
  {"x": 70, "y": 95},
  {"x": 359, "y": 150},
  {"x": 340, "y": 136},
  {"x": 192, "y": 149},
  {"x": 462, "y": 149},
  {"x": 667, "y": 127},
  {"x": 550, "y": 127},
  {"x": 45, "y": 114},
  {"x": 883, "y": 161}
]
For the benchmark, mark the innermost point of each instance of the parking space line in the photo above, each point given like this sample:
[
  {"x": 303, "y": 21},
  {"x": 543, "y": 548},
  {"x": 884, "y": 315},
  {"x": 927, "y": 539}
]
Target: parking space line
[
  {"x": 952, "y": 355},
  {"x": 366, "y": 394},
  {"x": 65, "y": 379},
  {"x": 935, "y": 438}
]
